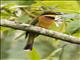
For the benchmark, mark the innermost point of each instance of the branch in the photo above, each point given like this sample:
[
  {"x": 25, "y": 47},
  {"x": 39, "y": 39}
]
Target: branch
[{"x": 42, "y": 31}]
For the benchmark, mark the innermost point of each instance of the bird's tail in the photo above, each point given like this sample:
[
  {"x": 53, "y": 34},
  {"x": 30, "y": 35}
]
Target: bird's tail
[{"x": 29, "y": 45}]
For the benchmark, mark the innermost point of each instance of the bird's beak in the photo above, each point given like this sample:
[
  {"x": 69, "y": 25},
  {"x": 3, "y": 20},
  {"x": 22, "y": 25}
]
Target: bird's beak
[{"x": 58, "y": 21}]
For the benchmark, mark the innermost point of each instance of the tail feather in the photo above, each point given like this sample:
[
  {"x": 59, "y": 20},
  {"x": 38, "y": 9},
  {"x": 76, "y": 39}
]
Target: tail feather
[{"x": 29, "y": 45}]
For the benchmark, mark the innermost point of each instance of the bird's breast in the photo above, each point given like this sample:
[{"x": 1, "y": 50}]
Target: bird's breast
[{"x": 44, "y": 22}]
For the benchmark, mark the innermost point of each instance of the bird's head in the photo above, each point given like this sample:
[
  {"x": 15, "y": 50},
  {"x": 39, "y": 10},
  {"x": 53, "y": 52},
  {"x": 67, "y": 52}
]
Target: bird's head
[{"x": 52, "y": 16}]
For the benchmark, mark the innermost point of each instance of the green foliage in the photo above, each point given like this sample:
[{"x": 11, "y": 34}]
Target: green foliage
[
  {"x": 33, "y": 55},
  {"x": 21, "y": 2},
  {"x": 45, "y": 48},
  {"x": 8, "y": 11},
  {"x": 73, "y": 26},
  {"x": 60, "y": 6}
]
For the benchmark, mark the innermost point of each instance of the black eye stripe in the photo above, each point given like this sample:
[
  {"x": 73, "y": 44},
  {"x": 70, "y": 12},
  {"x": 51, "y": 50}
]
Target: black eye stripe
[{"x": 50, "y": 17}]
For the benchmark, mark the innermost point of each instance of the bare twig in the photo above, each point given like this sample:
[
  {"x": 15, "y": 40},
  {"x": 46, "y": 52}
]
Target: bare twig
[{"x": 62, "y": 52}]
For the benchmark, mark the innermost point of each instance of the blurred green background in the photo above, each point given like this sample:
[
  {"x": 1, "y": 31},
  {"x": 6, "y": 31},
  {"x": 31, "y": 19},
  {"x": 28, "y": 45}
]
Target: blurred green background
[{"x": 45, "y": 48}]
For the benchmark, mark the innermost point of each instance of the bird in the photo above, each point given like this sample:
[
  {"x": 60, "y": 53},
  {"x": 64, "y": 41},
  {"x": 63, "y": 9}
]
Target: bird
[{"x": 44, "y": 20}]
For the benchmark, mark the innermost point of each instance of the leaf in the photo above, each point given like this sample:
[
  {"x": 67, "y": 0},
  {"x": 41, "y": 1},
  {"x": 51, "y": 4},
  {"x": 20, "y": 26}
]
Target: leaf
[
  {"x": 33, "y": 55},
  {"x": 62, "y": 27},
  {"x": 73, "y": 26},
  {"x": 24, "y": 19},
  {"x": 3, "y": 29},
  {"x": 77, "y": 34}
]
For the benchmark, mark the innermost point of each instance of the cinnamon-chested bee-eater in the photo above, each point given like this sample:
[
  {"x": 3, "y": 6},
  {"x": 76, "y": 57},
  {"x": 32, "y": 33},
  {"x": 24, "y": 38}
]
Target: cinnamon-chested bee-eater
[{"x": 45, "y": 20}]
